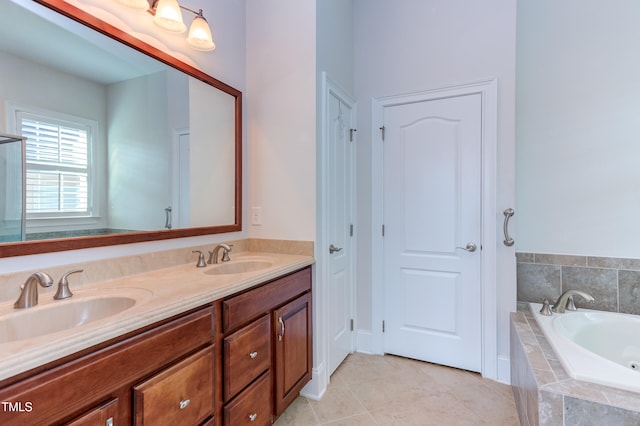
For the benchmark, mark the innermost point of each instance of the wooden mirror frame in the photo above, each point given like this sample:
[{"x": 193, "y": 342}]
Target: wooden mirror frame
[{"x": 62, "y": 244}]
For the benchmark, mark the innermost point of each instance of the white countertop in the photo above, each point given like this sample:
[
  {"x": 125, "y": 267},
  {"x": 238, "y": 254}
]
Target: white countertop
[{"x": 160, "y": 294}]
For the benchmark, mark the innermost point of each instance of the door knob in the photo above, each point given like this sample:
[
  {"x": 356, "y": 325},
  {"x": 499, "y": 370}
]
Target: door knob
[
  {"x": 470, "y": 247},
  {"x": 333, "y": 249}
]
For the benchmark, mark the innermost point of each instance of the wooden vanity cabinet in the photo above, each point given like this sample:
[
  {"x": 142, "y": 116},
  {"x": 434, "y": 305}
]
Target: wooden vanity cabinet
[
  {"x": 97, "y": 388},
  {"x": 240, "y": 360},
  {"x": 272, "y": 321}
]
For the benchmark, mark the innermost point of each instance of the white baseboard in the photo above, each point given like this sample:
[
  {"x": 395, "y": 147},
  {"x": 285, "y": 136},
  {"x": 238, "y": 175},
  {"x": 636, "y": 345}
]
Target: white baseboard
[
  {"x": 318, "y": 384},
  {"x": 504, "y": 370}
]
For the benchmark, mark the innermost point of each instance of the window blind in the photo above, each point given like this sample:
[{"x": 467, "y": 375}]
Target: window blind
[{"x": 57, "y": 167}]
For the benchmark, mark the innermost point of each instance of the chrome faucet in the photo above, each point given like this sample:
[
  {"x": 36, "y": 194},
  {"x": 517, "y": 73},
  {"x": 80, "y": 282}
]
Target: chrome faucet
[
  {"x": 565, "y": 301},
  {"x": 213, "y": 255},
  {"x": 29, "y": 295}
]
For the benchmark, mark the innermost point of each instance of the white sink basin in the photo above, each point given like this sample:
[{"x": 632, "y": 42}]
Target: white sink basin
[
  {"x": 239, "y": 267},
  {"x": 21, "y": 324}
]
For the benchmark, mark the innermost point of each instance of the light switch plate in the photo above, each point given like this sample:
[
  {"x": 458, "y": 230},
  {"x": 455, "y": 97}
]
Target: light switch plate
[{"x": 256, "y": 216}]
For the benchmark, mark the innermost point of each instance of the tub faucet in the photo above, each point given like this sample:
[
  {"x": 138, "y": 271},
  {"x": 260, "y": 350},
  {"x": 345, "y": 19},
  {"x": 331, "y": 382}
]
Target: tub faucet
[
  {"x": 566, "y": 299},
  {"x": 29, "y": 295},
  {"x": 213, "y": 255}
]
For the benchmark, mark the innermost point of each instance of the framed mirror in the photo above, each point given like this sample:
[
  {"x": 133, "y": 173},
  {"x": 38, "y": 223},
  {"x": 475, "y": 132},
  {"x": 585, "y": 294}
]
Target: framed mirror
[{"x": 164, "y": 158}]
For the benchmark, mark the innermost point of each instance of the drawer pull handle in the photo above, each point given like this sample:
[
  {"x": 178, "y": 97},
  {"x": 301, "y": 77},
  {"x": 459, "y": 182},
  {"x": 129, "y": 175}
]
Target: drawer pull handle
[
  {"x": 184, "y": 404},
  {"x": 281, "y": 334},
  {"x": 252, "y": 417},
  {"x": 252, "y": 355}
]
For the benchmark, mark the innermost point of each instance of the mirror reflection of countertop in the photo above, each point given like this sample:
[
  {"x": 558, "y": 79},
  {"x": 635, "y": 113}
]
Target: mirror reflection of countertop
[{"x": 158, "y": 294}]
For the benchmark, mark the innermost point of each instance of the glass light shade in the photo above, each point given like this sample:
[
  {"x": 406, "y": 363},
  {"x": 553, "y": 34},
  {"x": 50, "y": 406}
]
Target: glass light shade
[
  {"x": 200, "y": 35},
  {"x": 136, "y": 4},
  {"x": 169, "y": 16}
]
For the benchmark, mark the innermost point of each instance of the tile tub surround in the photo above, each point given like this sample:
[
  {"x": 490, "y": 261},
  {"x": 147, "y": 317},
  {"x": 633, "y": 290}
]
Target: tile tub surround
[
  {"x": 613, "y": 282},
  {"x": 546, "y": 395},
  {"x": 171, "y": 277}
]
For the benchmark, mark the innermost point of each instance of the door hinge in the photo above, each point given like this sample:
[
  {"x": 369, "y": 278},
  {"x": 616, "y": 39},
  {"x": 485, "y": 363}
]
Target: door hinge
[
  {"x": 351, "y": 230},
  {"x": 382, "y": 131},
  {"x": 383, "y": 230},
  {"x": 351, "y": 324},
  {"x": 383, "y": 326},
  {"x": 351, "y": 134}
]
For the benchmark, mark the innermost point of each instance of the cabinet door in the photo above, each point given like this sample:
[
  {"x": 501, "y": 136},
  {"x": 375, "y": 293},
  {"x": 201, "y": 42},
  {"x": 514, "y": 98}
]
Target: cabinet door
[{"x": 292, "y": 336}]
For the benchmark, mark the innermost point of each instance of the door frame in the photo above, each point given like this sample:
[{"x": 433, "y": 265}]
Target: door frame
[
  {"x": 488, "y": 89},
  {"x": 320, "y": 374}
]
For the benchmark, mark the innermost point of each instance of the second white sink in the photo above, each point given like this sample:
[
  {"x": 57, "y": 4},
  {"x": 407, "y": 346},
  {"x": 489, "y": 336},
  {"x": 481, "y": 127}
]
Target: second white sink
[{"x": 239, "y": 267}]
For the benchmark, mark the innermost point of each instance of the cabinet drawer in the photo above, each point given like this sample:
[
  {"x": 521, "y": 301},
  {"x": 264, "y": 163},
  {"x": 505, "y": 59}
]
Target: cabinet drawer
[
  {"x": 104, "y": 415},
  {"x": 251, "y": 407},
  {"x": 241, "y": 309},
  {"x": 182, "y": 394},
  {"x": 247, "y": 354}
]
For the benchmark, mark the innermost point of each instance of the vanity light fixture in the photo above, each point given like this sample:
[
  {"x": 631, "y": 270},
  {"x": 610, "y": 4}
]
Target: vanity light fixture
[{"x": 168, "y": 15}]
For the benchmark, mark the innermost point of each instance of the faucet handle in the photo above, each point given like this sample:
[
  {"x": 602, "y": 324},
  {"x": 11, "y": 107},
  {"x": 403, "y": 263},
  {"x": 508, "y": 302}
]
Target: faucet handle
[
  {"x": 201, "y": 263},
  {"x": 63, "y": 291},
  {"x": 546, "y": 309},
  {"x": 225, "y": 253}
]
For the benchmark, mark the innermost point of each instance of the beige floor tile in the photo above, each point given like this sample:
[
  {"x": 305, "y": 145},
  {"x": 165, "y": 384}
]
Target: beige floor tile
[
  {"x": 337, "y": 403},
  {"x": 364, "y": 419},
  {"x": 360, "y": 367},
  {"x": 380, "y": 392},
  {"x": 395, "y": 391},
  {"x": 435, "y": 410},
  {"x": 299, "y": 413}
]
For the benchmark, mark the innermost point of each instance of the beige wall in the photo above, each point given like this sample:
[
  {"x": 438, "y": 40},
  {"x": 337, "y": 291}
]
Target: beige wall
[{"x": 281, "y": 118}]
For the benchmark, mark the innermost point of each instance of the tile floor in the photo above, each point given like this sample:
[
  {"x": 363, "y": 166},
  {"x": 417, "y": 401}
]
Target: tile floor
[{"x": 389, "y": 390}]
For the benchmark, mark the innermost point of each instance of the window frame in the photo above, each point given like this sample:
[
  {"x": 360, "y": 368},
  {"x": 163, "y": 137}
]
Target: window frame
[{"x": 66, "y": 219}]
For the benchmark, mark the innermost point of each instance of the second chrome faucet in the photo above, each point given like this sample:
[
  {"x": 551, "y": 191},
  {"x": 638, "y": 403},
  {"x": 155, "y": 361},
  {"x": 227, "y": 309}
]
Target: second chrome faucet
[{"x": 213, "y": 255}]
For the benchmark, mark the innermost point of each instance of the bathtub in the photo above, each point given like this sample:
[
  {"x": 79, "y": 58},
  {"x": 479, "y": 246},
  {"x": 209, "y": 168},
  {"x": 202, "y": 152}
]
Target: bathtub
[{"x": 595, "y": 346}]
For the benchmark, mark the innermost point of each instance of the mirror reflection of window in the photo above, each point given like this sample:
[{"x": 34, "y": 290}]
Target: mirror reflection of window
[{"x": 58, "y": 169}]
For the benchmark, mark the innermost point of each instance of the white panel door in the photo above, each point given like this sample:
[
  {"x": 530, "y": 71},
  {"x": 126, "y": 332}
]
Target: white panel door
[
  {"x": 180, "y": 179},
  {"x": 432, "y": 241},
  {"x": 340, "y": 214}
]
